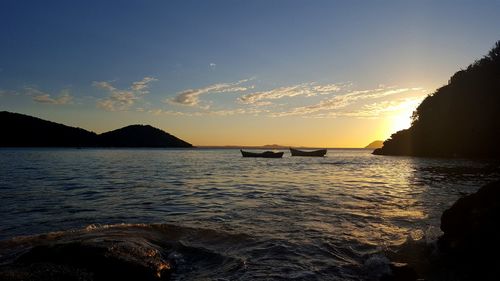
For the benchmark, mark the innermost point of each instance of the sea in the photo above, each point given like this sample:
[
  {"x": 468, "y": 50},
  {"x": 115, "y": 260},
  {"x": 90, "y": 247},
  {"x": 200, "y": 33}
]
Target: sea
[{"x": 214, "y": 215}]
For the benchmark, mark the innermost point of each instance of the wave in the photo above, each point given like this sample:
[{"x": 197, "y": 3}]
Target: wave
[
  {"x": 419, "y": 258},
  {"x": 120, "y": 252},
  {"x": 172, "y": 252}
]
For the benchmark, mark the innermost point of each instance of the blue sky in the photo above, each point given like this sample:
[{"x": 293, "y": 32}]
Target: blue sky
[{"x": 237, "y": 72}]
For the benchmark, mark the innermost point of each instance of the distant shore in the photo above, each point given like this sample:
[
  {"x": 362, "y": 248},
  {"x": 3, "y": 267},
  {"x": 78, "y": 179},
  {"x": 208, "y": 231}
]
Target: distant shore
[{"x": 276, "y": 147}]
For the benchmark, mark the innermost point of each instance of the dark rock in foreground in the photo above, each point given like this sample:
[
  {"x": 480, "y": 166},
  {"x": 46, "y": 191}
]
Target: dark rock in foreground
[
  {"x": 150, "y": 252},
  {"x": 400, "y": 272},
  {"x": 470, "y": 243},
  {"x": 89, "y": 260},
  {"x": 468, "y": 249},
  {"x": 471, "y": 225}
]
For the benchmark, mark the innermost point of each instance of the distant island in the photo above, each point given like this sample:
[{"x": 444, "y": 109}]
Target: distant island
[
  {"x": 19, "y": 130},
  {"x": 375, "y": 144},
  {"x": 460, "y": 119}
]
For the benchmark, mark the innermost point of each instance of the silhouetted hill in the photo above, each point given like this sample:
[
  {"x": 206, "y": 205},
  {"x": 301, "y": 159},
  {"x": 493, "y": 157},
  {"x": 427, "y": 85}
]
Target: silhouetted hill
[
  {"x": 275, "y": 146},
  {"x": 375, "y": 144},
  {"x": 461, "y": 119},
  {"x": 20, "y": 130},
  {"x": 23, "y": 130},
  {"x": 140, "y": 136}
]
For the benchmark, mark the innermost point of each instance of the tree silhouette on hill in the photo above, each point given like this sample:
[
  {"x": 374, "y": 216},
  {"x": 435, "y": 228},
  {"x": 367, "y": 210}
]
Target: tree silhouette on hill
[{"x": 460, "y": 119}]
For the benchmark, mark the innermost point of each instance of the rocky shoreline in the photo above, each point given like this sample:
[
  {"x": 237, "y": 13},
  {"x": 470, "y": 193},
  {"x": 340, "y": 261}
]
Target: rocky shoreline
[{"x": 468, "y": 248}]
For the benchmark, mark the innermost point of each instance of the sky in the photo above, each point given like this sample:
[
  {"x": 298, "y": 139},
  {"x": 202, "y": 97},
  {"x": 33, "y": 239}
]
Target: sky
[{"x": 297, "y": 73}]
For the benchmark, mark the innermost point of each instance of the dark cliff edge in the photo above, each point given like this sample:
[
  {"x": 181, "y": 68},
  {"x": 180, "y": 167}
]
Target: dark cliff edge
[
  {"x": 460, "y": 119},
  {"x": 19, "y": 130}
]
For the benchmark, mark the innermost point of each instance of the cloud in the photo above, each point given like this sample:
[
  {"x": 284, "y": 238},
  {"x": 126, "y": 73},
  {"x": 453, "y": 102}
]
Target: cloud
[
  {"x": 118, "y": 101},
  {"x": 328, "y": 88},
  {"x": 62, "y": 99},
  {"x": 236, "y": 111},
  {"x": 104, "y": 85},
  {"x": 6, "y": 93},
  {"x": 338, "y": 100},
  {"x": 121, "y": 100},
  {"x": 42, "y": 97},
  {"x": 158, "y": 112},
  {"x": 347, "y": 99},
  {"x": 191, "y": 97},
  {"x": 143, "y": 85},
  {"x": 305, "y": 89},
  {"x": 206, "y": 112},
  {"x": 383, "y": 108}
]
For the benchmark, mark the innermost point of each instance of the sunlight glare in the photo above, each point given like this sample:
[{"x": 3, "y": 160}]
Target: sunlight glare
[
  {"x": 402, "y": 118},
  {"x": 400, "y": 122}
]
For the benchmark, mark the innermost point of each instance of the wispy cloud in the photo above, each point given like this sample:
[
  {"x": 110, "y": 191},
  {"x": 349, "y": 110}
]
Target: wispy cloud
[
  {"x": 339, "y": 100},
  {"x": 158, "y": 112},
  {"x": 105, "y": 85},
  {"x": 236, "y": 111},
  {"x": 121, "y": 100},
  {"x": 347, "y": 99},
  {"x": 42, "y": 97},
  {"x": 62, "y": 99},
  {"x": 8, "y": 93},
  {"x": 305, "y": 89},
  {"x": 373, "y": 110},
  {"x": 332, "y": 100},
  {"x": 191, "y": 97},
  {"x": 207, "y": 112},
  {"x": 142, "y": 86},
  {"x": 387, "y": 107}
]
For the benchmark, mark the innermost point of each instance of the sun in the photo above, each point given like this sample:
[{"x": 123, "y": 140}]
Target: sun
[
  {"x": 401, "y": 117},
  {"x": 400, "y": 122}
]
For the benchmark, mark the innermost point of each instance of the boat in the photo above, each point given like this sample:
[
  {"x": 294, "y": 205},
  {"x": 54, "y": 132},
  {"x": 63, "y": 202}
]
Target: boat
[
  {"x": 314, "y": 153},
  {"x": 265, "y": 154}
]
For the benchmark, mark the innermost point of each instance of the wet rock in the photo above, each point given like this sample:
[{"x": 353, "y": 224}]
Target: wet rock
[
  {"x": 400, "y": 272},
  {"x": 88, "y": 261},
  {"x": 469, "y": 244},
  {"x": 471, "y": 224},
  {"x": 44, "y": 272}
]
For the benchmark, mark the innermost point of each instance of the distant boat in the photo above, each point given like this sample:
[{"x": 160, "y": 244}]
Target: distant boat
[
  {"x": 315, "y": 153},
  {"x": 265, "y": 154}
]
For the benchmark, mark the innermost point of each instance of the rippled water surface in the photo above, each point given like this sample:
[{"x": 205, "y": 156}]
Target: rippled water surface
[{"x": 237, "y": 218}]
